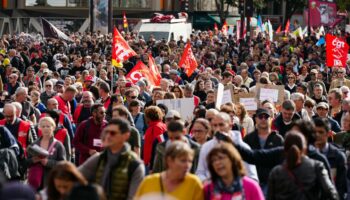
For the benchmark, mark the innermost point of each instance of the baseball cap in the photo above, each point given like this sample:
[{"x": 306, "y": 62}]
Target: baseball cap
[
  {"x": 261, "y": 111},
  {"x": 89, "y": 78},
  {"x": 59, "y": 83},
  {"x": 322, "y": 105},
  {"x": 173, "y": 114}
]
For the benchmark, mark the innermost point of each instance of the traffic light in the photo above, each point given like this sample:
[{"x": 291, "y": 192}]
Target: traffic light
[
  {"x": 185, "y": 5},
  {"x": 249, "y": 9}
]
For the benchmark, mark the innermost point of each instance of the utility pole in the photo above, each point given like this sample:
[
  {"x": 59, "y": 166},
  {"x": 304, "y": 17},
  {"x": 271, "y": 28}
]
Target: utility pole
[{"x": 249, "y": 10}]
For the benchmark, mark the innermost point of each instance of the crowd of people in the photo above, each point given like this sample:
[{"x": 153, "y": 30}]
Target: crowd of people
[{"x": 73, "y": 126}]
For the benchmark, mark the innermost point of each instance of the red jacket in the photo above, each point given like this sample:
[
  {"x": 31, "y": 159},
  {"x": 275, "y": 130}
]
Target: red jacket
[
  {"x": 64, "y": 107},
  {"x": 22, "y": 135},
  {"x": 154, "y": 130}
]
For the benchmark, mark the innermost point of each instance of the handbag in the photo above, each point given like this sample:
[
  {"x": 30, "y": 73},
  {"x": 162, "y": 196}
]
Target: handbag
[{"x": 36, "y": 171}]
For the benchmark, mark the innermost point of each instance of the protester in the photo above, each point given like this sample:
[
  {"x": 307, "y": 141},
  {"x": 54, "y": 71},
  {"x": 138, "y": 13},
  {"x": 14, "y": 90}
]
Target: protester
[
  {"x": 298, "y": 171},
  {"x": 39, "y": 165},
  {"x": 227, "y": 174},
  {"x": 175, "y": 181},
  {"x": 117, "y": 168}
]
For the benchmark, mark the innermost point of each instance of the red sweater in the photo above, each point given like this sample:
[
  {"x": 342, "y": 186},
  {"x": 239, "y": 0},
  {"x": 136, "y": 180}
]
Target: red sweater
[
  {"x": 154, "y": 130},
  {"x": 84, "y": 138}
]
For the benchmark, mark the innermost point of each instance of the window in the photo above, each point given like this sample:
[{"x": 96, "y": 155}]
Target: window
[
  {"x": 132, "y": 3},
  {"x": 57, "y": 3}
]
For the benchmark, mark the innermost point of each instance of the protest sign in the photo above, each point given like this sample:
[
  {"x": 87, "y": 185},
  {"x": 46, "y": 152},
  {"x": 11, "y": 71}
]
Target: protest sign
[
  {"x": 249, "y": 101},
  {"x": 274, "y": 93},
  {"x": 184, "y": 106}
]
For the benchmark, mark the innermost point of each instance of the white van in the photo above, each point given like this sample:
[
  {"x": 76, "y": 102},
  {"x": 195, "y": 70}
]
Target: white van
[{"x": 168, "y": 31}]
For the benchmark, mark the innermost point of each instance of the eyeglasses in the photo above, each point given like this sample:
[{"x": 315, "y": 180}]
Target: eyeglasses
[
  {"x": 133, "y": 97},
  {"x": 48, "y": 85},
  {"x": 102, "y": 113},
  {"x": 263, "y": 116}
]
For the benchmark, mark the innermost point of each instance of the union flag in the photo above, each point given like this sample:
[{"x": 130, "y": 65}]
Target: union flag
[
  {"x": 120, "y": 49},
  {"x": 188, "y": 61}
]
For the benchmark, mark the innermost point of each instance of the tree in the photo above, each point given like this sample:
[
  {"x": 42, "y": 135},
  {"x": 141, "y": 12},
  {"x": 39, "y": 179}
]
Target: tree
[
  {"x": 293, "y": 6},
  {"x": 222, "y": 7}
]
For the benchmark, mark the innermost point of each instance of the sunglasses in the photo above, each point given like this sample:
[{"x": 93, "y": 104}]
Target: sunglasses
[
  {"x": 264, "y": 116},
  {"x": 133, "y": 97}
]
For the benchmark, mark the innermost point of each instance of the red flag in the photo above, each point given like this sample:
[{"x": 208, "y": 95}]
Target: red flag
[
  {"x": 120, "y": 49},
  {"x": 279, "y": 29},
  {"x": 216, "y": 27},
  {"x": 125, "y": 21},
  {"x": 336, "y": 51},
  {"x": 224, "y": 28},
  {"x": 140, "y": 70},
  {"x": 286, "y": 30},
  {"x": 154, "y": 70},
  {"x": 188, "y": 61}
]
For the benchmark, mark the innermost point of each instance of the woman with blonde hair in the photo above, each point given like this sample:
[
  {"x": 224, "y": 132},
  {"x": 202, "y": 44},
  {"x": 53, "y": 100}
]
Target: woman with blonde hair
[
  {"x": 175, "y": 182},
  {"x": 228, "y": 180},
  {"x": 39, "y": 162}
]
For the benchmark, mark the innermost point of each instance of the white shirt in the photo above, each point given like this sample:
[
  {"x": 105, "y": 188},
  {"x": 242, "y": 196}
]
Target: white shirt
[{"x": 202, "y": 168}]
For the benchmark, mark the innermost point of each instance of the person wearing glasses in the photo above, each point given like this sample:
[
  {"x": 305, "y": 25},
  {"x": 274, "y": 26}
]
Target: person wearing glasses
[
  {"x": 117, "y": 169},
  {"x": 130, "y": 94},
  {"x": 31, "y": 77},
  {"x": 12, "y": 84},
  {"x": 87, "y": 139},
  {"x": 340, "y": 79},
  {"x": 48, "y": 92},
  {"x": 263, "y": 138}
]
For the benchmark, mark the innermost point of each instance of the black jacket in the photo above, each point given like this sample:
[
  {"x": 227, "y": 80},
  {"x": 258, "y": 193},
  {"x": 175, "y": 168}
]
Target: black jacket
[
  {"x": 338, "y": 117},
  {"x": 281, "y": 127},
  {"x": 308, "y": 180},
  {"x": 337, "y": 161},
  {"x": 273, "y": 140}
]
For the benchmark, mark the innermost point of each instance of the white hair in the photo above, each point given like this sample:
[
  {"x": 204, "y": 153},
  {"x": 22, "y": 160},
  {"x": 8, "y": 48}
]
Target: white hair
[
  {"x": 21, "y": 90},
  {"x": 297, "y": 96}
]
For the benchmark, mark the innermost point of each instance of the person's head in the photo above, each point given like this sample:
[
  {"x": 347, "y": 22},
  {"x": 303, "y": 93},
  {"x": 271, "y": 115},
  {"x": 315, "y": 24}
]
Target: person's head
[
  {"x": 298, "y": 100},
  {"x": 318, "y": 90},
  {"x": 21, "y": 94},
  {"x": 313, "y": 74},
  {"x": 121, "y": 112},
  {"x": 302, "y": 88},
  {"x": 63, "y": 176},
  {"x": 157, "y": 95},
  {"x": 177, "y": 90},
  {"x": 346, "y": 122},
  {"x": 241, "y": 112},
  {"x": 178, "y": 158},
  {"x": 188, "y": 91},
  {"x": 153, "y": 113},
  {"x": 288, "y": 110},
  {"x": 322, "y": 129},
  {"x": 176, "y": 130},
  {"x": 227, "y": 77},
  {"x": 164, "y": 85},
  {"x": 210, "y": 114},
  {"x": 201, "y": 130},
  {"x": 59, "y": 86},
  {"x": 135, "y": 106},
  {"x": 334, "y": 97},
  {"x": 9, "y": 113},
  {"x": 47, "y": 126},
  {"x": 52, "y": 104},
  {"x": 18, "y": 107},
  {"x": 268, "y": 105},
  {"x": 35, "y": 96},
  {"x": 294, "y": 147},
  {"x": 13, "y": 78},
  {"x": 211, "y": 96},
  {"x": 48, "y": 86},
  {"x": 130, "y": 94},
  {"x": 291, "y": 78},
  {"x": 98, "y": 112},
  {"x": 172, "y": 115},
  {"x": 322, "y": 109},
  {"x": 344, "y": 91},
  {"x": 222, "y": 123},
  {"x": 341, "y": 73},
  {"x": 30, "y": 71},
  {"x": 116, "y": 133},
  {"x": 69, "y": 93},
  {"x": 104, "y": 89},
  {"x": 244, "y": 73},
  {"x": 262, "y": 119},
  {"x": 225, "y": 161}
]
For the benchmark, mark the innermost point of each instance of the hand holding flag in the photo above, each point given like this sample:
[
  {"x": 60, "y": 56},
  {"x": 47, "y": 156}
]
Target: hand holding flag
[{"x": 188, "y": 61}]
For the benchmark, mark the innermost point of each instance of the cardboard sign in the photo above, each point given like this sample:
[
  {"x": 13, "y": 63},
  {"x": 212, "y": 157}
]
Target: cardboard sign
[
  {"x": 249, "y": 103},
  {"x": 274, "y": 93},
  {"x": 347, "y": 28},
  {"x": 219, "y": 95},
  {"x": 184, "y": 106}
]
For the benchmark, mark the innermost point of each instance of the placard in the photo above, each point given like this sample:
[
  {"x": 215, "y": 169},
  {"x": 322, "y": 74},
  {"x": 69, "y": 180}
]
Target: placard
[
  {"x": 184, "y": 106},
  {"x": 347, "y": 28},
  {"x": 274, "y": 93},
  {"x": 227, "y": 97},
  {"x": 249, "y": 103},
  {"x": 219, "y": 95}
]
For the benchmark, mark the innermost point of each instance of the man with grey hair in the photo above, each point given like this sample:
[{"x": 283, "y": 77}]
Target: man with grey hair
[
  {"x": 188, "y": 93},
  {"x": 284, "y": 121},
  {"x": 19, "y": 128},
  {"x": 340, "y": 80},
  {"x": 345, "y": 108},
  {"x": 48, "y": 93},
  {"x": 28, "y": 110},
  {"x": 222, "y": 126},
  {"x": 299, "y": 100}
]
